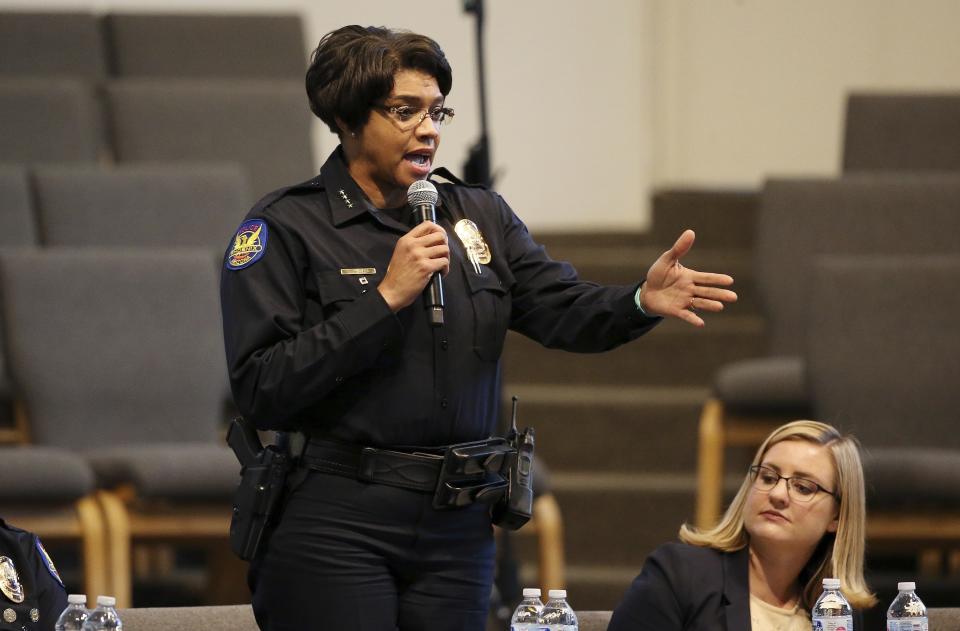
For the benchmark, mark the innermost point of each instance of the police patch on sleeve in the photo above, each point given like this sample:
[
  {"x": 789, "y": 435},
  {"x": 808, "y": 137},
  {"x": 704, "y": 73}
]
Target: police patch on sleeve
[
  {"x": 249, "y": 244},
  {"x": 47, "y": 561}
]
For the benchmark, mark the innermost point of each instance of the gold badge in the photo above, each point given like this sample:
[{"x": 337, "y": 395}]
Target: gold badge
[
  {"x": 10, "y": 582},
  {"x": 35, "y": 614},
  {"x": 9, "y": 615},
  {"x": 477, "y": 249}
]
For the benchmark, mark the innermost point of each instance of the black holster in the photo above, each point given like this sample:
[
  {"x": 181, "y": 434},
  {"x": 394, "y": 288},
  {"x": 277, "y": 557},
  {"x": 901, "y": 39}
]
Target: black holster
[{"x": 262, "y": 481}]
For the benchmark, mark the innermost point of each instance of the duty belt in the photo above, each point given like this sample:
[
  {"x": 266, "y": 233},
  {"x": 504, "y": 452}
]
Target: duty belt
[{"x": 457, "y": 475}]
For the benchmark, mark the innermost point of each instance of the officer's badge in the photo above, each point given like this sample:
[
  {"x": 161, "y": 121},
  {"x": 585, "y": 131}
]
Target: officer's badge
[
  {"x": 477, "y": 249},
  {"x": 48, "y": 562},
  {"x": 249, "y": 244},
  {"x": 10, "y": 583}
]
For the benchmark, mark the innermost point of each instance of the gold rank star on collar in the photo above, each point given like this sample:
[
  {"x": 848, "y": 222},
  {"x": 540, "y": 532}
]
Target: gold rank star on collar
[{"x": 343, "y": 196}]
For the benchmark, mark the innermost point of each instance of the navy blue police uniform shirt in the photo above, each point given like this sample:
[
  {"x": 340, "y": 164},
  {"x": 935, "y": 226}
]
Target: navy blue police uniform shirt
[
  {"x": 32, "y": 595},
  {"x": 311, "y": 344}
]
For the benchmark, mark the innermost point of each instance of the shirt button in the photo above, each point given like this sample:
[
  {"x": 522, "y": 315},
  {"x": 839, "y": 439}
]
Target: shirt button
[
  {"x": 444, "y": 344},
  {"x": 339, "y": 379},
  {"x": 444, "y": 403}
]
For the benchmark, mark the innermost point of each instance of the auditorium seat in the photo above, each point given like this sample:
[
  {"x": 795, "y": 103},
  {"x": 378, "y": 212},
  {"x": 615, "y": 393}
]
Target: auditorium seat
[
  {"x": 48, "y": 120},
  {"x": 49, "y": 491},
  {"x": 902, "y": 132},
  {"x": 62, "y": 43},
  {"x": 884, "y": 364},
  {"x": 172, "y": 45},
  {"x": 154, "y": 205},
  {"x": 116, "y": 355},
  {"x": 859, "y": 214},
  {"x": 263, "y": 125}
]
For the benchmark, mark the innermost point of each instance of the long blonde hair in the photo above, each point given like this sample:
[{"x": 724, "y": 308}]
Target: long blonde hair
[{"x": 840, "y": 554}]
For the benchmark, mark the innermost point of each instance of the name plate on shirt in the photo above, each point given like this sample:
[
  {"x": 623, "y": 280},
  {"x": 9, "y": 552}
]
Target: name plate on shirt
[{"x": 350, "y": 271}]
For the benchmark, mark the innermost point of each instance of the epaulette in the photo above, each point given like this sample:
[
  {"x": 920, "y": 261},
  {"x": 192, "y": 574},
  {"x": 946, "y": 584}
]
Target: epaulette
[
  {"x": 450, "y": 177},
  {"x": 314, "y": 183}
]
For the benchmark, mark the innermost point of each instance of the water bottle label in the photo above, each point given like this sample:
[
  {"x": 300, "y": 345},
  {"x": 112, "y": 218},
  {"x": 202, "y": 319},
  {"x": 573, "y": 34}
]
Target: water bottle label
[
  {"x": 907, "y": 624},
  {"x": 838, "y": 623}
]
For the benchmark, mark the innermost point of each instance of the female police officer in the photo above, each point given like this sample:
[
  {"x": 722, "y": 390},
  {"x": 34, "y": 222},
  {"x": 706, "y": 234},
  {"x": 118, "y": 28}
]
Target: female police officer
[{"x": 325, "y": 335}]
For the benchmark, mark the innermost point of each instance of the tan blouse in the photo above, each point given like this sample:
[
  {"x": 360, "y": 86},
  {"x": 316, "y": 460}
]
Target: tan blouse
[{"x": 766, "y": 617}]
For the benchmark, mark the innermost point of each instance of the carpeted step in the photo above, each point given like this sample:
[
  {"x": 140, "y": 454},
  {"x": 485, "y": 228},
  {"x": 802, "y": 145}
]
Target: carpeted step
[
  {"x": 725, "y": 217},
  {"x": 602, "y": 428},
  {"x": 673, "y": 354}
]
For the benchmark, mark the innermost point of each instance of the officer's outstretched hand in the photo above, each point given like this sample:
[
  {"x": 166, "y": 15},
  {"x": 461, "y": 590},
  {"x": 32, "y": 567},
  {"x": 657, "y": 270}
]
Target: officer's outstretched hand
[
  {"x": 418, "y": 255},
  {"x": 674, "y": 290}
]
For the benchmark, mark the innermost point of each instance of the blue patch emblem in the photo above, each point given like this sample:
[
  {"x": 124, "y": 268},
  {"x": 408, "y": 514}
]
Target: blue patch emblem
[
  {"x": 249, "y": 244},
  {"x": 48, "y": 562}
]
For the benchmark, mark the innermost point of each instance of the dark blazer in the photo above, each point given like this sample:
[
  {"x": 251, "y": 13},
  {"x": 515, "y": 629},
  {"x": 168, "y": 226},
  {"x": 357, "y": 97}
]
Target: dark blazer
[
  {"x": 690, "y": 588},
  {"x": 687, "y": 588}
]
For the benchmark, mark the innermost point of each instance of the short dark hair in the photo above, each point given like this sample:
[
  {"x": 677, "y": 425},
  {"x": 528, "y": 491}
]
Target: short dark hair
[{"x": 353, "y": 67}]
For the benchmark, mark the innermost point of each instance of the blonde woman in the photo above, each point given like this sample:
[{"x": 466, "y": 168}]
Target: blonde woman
[{"x": 797, "y": 518}]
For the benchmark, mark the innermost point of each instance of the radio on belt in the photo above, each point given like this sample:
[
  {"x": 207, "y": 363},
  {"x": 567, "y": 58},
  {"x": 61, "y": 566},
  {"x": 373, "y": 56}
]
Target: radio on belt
[{"x": 516, "y": 507}]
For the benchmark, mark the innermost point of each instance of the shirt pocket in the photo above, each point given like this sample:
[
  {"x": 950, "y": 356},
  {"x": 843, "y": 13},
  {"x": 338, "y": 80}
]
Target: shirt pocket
[
  {"x": 490, "y": 297},
  {"x": 335, "y": 290}
]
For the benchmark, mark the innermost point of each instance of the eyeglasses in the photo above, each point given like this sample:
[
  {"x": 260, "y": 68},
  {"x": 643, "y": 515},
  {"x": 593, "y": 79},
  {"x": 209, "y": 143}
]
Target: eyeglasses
[
  {"x": 408, "y": 117},
  {"x": 799, "y": 489}
]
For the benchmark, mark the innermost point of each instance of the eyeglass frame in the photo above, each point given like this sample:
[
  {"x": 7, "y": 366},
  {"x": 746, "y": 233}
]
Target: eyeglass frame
[
  {"x": 440, "y": 110},
  {"x": 755, "y": 473}
]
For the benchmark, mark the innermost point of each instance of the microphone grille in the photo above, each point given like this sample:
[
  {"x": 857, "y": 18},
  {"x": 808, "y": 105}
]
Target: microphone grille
[{"x": 422, "y": 192}]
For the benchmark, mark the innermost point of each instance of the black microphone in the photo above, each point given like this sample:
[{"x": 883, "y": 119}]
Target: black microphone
[{"x": 422, "y": 197}]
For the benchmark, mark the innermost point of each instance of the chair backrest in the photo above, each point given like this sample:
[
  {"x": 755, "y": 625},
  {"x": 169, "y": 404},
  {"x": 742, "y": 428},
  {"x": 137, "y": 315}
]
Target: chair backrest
[
  {"x": 161, "y": 205},
  {"x": 863, "y": 214},
  {"x": 17, "y": 220},
  {"x": 883, "y": 354},
  {"x": 263, "y": 125},
  {"x": 49, "y": 120},
  {"x": 902, "y": 132},
  {"x": 63, "y": 43},
  {"x": 111, "y": 347},
  {"x": 215, "y": 46}
]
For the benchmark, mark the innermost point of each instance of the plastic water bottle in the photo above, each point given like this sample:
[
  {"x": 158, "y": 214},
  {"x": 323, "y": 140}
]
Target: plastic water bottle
[
  {"x": 557, "y": 615},
  {"x": 526, "y": 617},
  {"x": 832, "y": 612},
  {"x": 74, "y": 615},
  {"x": 907, "y": 612},
  {"x": 104, "y": 617}
]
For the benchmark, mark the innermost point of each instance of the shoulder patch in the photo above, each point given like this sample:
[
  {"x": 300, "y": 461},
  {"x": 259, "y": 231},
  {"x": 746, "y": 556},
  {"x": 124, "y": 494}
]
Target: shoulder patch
[
  {"x": 48, "y": 562},
  {"x": 249, "y": 244}
]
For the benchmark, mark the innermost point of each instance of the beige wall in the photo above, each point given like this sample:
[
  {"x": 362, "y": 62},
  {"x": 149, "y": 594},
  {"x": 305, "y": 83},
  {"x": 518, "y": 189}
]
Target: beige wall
[
  {"x": 593, "y": 104},
  {"x": 751, "y": 87}
]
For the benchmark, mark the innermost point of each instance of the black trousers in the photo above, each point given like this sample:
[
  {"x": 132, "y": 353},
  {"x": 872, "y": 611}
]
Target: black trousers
[{"x": 368, "y": 557}]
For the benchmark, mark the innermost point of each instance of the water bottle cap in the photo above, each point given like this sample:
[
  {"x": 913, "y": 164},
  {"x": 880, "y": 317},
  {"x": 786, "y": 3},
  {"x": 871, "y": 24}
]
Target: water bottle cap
[
  {"x": 106, "y": 601},
  {"x": 831, "y": 583},
  {"x": 531, "y": 592},
  {"x": 557, "y": 593},
  {"x": 906, "y": 587},
  {"x": 77, "y": 599}
]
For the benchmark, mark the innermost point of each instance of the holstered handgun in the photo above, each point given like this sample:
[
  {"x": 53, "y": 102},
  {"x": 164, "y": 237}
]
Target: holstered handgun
[
  {"x": 263, "y": 476},
  {"x": 516, "y": 506}
]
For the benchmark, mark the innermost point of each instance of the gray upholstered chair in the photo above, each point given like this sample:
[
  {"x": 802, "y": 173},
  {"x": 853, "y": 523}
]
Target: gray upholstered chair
[
  {"x": 902, "y": 132},
  {"x": 50, "y": 492},
  {"x": 61, "y": 43},
  {"x": 884, "y": 363},
  {"x": 799, "y": 219},
  {"x": 48, "y": 120},
  {"x": 154, "y": 205},
  {"x": 170, "y": 46},
  {"x": 116, "y": 355},
  {"x": 263, "y": 125}
]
